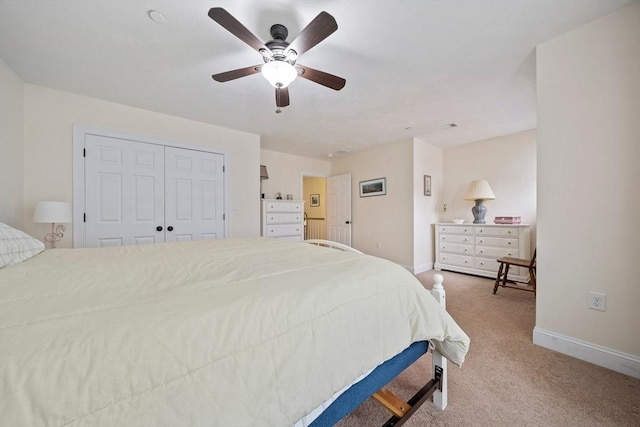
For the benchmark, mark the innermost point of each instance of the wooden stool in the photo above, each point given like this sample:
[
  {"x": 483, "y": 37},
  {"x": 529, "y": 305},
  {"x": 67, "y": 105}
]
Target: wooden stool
[{"x": 503, "y": 272}]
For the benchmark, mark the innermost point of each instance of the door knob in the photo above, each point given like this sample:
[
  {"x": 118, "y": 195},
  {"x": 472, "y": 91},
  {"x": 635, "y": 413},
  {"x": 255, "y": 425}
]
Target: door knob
[
  {"x": 347, "y": 222},
  {"x": 170, "y": 228},
  {"x": 159, "y": 228}
]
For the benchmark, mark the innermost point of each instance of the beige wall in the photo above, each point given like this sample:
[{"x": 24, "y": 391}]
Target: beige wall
[
  {"x": 286, "y": 172},
  {"x": 11, "y": 151},
  {"x": 508, "y": 163},
  {"x": 49, "y": 116},
  {"x": 427, "y": 160},
  {"x": 589, "y": 180},
  {"x": 384, "y": 219}
]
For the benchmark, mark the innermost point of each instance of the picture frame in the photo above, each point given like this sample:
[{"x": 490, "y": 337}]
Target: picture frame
[
  {"x": 314, "y": 200},
  {"x": 427, "y": 185},
  {"x": 373, "y": 187}
]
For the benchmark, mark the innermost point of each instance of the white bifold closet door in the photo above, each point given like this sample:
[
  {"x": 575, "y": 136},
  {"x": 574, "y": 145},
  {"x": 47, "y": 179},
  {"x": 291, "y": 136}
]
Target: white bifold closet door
[{"x": 138, "y": 193}]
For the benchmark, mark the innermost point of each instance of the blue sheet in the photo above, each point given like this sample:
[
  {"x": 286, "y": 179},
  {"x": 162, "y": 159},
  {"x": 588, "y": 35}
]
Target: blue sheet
[{"x": 378, "y": 378}]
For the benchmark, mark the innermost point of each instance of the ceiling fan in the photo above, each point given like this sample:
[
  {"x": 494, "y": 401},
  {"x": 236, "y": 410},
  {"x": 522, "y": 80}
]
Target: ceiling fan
[{"x": 279, "y": 56}]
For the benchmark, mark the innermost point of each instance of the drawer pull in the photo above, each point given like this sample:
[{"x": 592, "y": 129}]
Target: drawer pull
[
  {"x": 508, "y": 243},
  {"x": 465, "y": 261},
  {"x": 481, "y": 251},
  {"x": 481, "y": 241},
  {"x": 466, "y": 240}
]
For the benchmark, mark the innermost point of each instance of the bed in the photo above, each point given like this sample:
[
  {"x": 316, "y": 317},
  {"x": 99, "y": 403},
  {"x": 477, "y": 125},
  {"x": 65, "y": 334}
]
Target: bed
[{"x": 241, "y": 332}]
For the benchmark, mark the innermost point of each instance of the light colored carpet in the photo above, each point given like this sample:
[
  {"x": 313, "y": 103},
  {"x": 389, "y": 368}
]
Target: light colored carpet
[{"x": 506, "y": 380}]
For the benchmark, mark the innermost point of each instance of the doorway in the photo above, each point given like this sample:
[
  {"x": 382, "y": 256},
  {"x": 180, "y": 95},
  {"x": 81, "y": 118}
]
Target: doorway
[
  {"x": 327, "y": 207},
  {"x": 314, "y": 194}
]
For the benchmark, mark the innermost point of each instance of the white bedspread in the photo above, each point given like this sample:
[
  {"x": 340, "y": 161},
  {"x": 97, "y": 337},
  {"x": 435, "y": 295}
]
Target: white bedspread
[{"x": 238, "y": 332}]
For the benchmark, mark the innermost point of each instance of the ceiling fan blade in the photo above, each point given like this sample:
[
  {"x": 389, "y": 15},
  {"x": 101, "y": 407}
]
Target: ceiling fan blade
[
  {"x": 225, "y": 19},
  {"x": 236, "y": 74},
  {"x": 319, "y": 29},
  {"x": 282, "y": 96},
  {"x": 320, "y": 77}
]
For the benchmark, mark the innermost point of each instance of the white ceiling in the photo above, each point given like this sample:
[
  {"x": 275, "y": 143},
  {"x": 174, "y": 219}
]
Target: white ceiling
[{"x": 411, "y": 66}]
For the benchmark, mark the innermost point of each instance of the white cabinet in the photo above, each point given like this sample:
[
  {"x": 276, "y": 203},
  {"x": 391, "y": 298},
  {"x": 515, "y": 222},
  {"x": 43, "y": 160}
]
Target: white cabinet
[
  {"x": 474, "y": 248},
  {"x": 283, "y": 219}
]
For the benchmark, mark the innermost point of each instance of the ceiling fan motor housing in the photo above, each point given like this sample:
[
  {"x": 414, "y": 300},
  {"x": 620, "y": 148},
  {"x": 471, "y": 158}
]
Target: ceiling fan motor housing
[{"x": 278, "y": 46}]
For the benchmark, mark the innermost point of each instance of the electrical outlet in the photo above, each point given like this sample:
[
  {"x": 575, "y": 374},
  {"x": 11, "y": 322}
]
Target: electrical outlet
[{"x": 597, "y": 301}]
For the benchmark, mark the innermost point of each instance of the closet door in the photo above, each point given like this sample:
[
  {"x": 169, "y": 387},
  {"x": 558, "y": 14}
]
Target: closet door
[
  {"x": 124, "y": 192},
  {"x": 194, "y": 195}
]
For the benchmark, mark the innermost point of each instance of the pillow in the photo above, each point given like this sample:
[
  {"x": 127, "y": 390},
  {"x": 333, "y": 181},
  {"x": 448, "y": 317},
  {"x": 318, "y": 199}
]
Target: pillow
[{"x": 17, "y": 246}]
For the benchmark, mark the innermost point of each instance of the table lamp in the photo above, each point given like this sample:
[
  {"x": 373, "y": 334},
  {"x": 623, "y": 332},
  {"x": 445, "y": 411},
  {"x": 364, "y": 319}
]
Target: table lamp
[
  {"x": 479, "y": 191},
  {"x": 53, "y": 212}
]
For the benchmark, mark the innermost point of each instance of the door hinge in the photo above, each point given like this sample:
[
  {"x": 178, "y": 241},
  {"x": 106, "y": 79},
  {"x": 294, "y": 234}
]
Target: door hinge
[
  {"x": 224, "y": 168},
  {"x": 84, "y": 152},
  {"x": 224, "y": 217},
  {"x": 84, "y": 217}
]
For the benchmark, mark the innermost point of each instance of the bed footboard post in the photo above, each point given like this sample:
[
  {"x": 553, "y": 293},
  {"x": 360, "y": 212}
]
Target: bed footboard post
[{"x": 440, "y": 396}]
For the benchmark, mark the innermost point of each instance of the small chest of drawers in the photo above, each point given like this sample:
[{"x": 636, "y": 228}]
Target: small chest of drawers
[
  {"x": 283, "y": 219},
  {"x": 474, "y": 248}
]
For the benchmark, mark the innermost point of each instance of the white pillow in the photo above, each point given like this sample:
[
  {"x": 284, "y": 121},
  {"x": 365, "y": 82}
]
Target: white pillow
[{"x": 17, "y": 246}]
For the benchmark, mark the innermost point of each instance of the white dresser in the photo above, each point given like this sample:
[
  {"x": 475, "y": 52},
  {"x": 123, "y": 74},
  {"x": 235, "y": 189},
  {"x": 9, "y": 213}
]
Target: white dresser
[
  {"x": 283, "y": 219},
  {"x": 474, "y": 248}
]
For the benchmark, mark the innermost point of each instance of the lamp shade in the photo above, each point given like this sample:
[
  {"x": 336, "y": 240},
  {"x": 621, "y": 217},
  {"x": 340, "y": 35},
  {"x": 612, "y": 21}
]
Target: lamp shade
[
  {"x": 279, "y": 73},
  {"x": 479, "y": 190},
  {"x": 263, "y": 172},
  {"x": 50, "y": 212}
]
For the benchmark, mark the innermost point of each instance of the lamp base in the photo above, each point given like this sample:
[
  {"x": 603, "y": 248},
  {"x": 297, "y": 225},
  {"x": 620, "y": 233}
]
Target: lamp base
[{"x": 479, "y": 212}]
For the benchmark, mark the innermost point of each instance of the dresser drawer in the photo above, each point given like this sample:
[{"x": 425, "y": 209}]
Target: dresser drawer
[
  {"x": 497, "y": 231},
  {"x": 283, "y": 230},
  {"x": 459, "y": 260},
  {"x": 455, "y": 229},
  {"x": 283, "y": 207},
  {"x": 455, "y": 248},
  {"x": 496, "y": 252},
  {"x": 456, "y": 238},
  {"x": 281, "y": 218},
  {"x": 488, "y": 264},
  {"x": 497, "y": 241}
]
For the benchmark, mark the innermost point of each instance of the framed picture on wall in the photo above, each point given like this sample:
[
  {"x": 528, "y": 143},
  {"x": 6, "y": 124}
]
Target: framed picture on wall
[
  {"x": 427, "y": 185},
  {"x": 373, "y": 187},
  {"x": 315, "y": 200}
]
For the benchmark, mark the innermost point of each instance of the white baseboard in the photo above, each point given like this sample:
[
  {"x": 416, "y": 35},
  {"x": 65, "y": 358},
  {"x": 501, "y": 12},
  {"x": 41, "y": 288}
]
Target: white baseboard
[
  {"x": 611, "y": 359},
  {"x": 417, "y": 269}
]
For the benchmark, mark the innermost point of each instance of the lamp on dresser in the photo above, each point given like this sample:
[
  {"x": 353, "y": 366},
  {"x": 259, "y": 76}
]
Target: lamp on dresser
[
  {"x": 53, "y": 212},
  {"x": 479, "y": 191},
  {"x": 263, "y": 175}
]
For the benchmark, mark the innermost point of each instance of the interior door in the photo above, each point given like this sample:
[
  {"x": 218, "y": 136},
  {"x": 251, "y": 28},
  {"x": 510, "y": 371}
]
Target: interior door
[
  {"x": 193, "y": 195},
  {"x": 124, "y": 192},
  {"x": 339, "y": 209}
]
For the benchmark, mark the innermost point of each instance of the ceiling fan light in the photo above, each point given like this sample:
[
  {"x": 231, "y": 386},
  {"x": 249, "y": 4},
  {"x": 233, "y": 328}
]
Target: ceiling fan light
[{"x": 279, "y": 73}]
